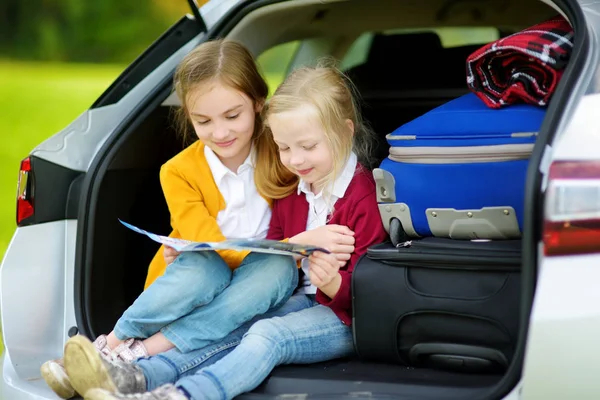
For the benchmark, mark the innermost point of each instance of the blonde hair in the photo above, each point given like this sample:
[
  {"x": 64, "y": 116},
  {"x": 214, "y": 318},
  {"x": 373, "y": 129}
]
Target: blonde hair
[
  {"x": 334, "y": 98},
  {"x": 233, "y": 65}
]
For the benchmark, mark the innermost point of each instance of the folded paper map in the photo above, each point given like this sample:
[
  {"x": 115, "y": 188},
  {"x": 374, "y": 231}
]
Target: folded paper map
[{"x": 256, "y": 245}]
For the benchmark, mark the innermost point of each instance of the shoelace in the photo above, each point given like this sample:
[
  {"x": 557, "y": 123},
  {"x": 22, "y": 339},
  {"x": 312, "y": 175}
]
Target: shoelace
[
  {"x": 109, "y": 355},
  {"x": 118, "y": 354}
]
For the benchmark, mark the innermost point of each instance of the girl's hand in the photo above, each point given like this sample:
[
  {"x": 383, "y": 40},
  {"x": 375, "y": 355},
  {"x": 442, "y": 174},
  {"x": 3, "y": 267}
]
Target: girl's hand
[
  {"x": 170, "y": 254},
  {"x": 338, "y": 239},
  {"x": 324, "y": 273}
]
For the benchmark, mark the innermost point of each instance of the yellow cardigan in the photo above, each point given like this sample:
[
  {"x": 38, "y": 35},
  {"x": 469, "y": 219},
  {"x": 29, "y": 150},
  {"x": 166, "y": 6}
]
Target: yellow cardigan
[{"x": 194, "y": 200}]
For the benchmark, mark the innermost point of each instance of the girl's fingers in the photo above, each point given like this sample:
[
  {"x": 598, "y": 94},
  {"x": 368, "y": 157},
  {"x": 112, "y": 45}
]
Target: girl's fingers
[
  {"x": 328, "y": 262},
  {"x": 316, "y": 258},
  {"x": 316, "y": 255},
  {"x": 344, "y": 240},
  {"x": 316, "y": 274},
  {"x": 322, "y": 261},
  {"x": 342, "y": 257},
  {"x": 341, "y": 248},
  {"x": 170, "y": 251},
  {"x": 340, "y": 229}
]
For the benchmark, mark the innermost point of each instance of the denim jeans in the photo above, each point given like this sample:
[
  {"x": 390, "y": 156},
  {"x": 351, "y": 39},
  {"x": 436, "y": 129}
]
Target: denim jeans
[
  {"x": 301, "y": 331},
  {"x": 199, "y": 300}
]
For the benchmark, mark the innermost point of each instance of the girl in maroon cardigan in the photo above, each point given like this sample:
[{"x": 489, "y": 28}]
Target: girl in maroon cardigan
[{"x": 322, "y": 190}]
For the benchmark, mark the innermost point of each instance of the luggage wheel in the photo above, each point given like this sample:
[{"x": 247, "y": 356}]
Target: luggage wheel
[{"x": 397, "y": 233}]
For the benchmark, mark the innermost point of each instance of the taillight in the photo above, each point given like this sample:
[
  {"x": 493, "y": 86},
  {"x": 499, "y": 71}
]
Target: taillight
[
  {"x": 24, "y": 195},
  {"x": 572, "y": 210}
]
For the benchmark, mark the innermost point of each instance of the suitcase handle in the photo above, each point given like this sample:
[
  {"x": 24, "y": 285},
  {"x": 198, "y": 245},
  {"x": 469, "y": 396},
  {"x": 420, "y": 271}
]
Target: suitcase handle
[{"x": 458, "y": 357}]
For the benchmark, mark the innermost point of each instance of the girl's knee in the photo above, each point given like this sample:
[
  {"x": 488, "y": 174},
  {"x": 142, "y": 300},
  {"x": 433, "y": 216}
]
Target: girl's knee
[
  {"x": 201, "y": 271},
  {"x": 203, "y": 263},
  {"x": 279, "y": 266},
  {"x": 272, "y": 339},
  {"x": 266, "y": 331},
  {"x": 281, "y": 275}
]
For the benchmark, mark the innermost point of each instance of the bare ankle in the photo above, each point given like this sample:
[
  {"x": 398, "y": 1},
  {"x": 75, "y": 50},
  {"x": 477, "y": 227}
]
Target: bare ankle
[
  {"x": 157, "y": 344},
  {"x": 112, "y": 341}
]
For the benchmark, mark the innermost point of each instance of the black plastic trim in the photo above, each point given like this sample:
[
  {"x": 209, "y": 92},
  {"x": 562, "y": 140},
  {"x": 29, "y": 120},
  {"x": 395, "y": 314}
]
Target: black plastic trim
[
  {"x": 174, "y": 38},
  {"x": 197, "y": 16},
  {"x": 90, "y": 187},
  {"x": 52, "y": 191},
  {"x": 74, "y": 195}
]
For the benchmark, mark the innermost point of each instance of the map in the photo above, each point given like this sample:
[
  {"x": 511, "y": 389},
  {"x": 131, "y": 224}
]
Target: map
[{"x": 256, "y": 245}]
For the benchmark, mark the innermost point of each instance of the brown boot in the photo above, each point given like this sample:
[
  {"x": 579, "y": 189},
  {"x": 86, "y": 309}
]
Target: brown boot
[
  {"x": 110, "y": 370},
  {"x": 56, "y": 377}
]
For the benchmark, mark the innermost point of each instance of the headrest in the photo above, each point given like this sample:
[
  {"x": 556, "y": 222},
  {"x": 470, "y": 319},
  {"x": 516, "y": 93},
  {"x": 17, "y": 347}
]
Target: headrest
[{"x": 386, "y": 47}]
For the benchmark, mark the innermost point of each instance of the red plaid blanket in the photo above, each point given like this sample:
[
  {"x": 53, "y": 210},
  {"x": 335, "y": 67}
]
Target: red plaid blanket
[{"x": 523, "y": 67}]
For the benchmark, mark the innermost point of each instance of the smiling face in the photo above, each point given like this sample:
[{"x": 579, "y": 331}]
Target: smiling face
[
  {"x": 224, "y": 120},
  {"x": 303, "y": 145}
]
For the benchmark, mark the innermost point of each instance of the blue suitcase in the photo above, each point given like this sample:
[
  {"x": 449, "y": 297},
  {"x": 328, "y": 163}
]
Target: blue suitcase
[{"x": 458, "y": 171}]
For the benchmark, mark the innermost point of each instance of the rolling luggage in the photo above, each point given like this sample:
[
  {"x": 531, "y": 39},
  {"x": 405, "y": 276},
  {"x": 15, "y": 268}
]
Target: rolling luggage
[
  {"x": 439, "y": 303},
  {"x": 458, "y": 171}
]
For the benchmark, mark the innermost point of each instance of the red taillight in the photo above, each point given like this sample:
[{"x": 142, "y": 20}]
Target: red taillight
[
  {"x": 572, "y": 210},
  {"x": 24, "y": 195}
]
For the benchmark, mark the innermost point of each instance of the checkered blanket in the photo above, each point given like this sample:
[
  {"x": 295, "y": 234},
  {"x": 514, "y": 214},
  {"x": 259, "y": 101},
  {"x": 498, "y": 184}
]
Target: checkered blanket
[{"x": 523, "y": 67}]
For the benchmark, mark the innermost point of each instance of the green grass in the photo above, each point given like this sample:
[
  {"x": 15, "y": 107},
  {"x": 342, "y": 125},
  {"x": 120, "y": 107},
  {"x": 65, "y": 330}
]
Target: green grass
[{"x": 36, "y": 101}]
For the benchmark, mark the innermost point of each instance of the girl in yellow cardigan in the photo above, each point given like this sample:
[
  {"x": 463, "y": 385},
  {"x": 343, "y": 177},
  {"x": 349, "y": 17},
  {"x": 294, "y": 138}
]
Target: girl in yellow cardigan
[{"x": 210, "y": 189}]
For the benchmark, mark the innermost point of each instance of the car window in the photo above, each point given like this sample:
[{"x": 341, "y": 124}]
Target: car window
[
  {"x": 275, "y": 63},
  {"x": 449, "y": 37},
  {"x": 358, "y": 51}
]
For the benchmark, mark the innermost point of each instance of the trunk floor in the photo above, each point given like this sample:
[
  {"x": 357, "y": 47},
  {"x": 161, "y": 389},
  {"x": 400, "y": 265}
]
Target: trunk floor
[{"x": 349, "y": 375}]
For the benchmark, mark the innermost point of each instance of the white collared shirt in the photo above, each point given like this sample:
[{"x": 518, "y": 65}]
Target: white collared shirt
[
  {"x": 247, "y": 213},
  {"x": 320, "y": 206}
]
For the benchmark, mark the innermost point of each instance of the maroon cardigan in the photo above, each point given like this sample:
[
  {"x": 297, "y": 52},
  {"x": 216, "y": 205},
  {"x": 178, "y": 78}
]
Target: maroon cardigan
[{"x": 357, "y": 210}]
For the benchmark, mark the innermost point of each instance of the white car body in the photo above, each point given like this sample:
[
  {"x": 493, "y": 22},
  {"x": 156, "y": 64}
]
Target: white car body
[{"x": 38, "y": 278}]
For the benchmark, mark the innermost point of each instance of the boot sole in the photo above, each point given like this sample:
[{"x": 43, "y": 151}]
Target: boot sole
[
  {"x": 62, "y": 387},
  {"x": 85, "y": 367}
]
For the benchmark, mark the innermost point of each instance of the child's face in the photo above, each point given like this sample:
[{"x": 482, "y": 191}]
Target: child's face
[
  {"x": 303, "y": 146},
  {"x": 223, "y": 119}
]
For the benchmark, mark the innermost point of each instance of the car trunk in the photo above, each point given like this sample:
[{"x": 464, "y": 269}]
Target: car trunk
[
  {"x": 113, "y": 260},
  {"x": 130, "y": 190}
]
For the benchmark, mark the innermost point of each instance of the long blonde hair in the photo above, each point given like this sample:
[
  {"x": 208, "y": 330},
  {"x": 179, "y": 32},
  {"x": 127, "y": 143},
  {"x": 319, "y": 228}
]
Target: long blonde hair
[
  {"x": 233, "y": 65},
  {"x": 332, "y": 95}
]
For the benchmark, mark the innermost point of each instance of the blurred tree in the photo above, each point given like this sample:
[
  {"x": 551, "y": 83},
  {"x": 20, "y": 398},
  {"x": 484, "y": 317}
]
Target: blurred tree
[
  {"x": 91, "y": 31},
  {"x": 174, "y": 8}
]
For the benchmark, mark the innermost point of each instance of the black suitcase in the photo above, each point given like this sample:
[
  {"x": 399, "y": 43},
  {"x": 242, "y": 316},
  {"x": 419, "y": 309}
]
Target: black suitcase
[{"x": 440, "y": 303}]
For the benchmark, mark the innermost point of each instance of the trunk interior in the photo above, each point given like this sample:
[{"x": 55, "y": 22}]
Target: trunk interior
[
  {"x": 401, "y": 78},
  {"x": 131, "y": 192}
]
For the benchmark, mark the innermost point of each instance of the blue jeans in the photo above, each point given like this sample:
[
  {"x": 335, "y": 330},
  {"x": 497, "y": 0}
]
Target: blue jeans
[
  {"x": 300, "y": 332},
  {"x": 199, "y": 300}
]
